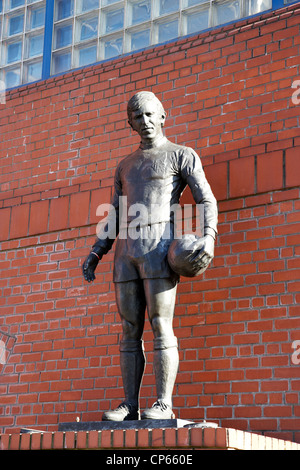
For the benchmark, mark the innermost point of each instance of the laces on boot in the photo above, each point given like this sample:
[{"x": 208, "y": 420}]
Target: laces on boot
[
  {"x": 159, "y": 410},
  {"x": 160, "y": 404},
  {"x": 125, "y": 411},
  {"x": 126, "y": 406}
]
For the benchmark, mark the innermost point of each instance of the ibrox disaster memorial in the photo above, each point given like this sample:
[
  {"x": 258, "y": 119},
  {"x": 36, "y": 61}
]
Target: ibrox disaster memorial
[{"x": 151, "y": 252}]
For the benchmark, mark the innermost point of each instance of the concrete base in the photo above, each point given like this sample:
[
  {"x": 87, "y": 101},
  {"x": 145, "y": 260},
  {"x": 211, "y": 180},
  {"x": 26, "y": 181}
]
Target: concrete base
[{"x": 123, "y": 425}]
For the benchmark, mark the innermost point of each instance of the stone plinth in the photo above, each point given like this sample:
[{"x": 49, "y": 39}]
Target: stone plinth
[{"x": 139, "y": 424}]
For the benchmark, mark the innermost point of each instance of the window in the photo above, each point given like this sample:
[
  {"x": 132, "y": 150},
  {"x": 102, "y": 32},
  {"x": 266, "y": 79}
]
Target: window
[
  {"x": 83, "y": 32},
  {"x": 22, "y": 24},
  {"x": 87, "y": 31},
  {"x": 138, "y": 12}
]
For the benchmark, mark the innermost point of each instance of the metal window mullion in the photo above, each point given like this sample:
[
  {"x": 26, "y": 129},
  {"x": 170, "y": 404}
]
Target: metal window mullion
[
  {"x": 179, "y": 20},
  {"x": 211, "y": 14},
  {"x": 154, "y": 17},
  {"x": 1, "y": 37},
  {"x": 181, "y": 31},
  {"x": 99, "y": 34},
  {"x": 126, "y": 44},
  {"x": 100, "y": 53},
  {"x": 2, "y": 26},
  {"x": 243, "y": 8},
  {"x": 73, "y": 41},
  {"x": 151, "y": 22},
  {"x": 73, "y": 51},
  {"x": 48, "y": 35},
  {"x": 23, "y": 43}
]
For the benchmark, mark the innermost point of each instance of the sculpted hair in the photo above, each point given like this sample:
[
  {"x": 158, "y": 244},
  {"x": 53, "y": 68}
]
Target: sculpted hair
[{"x": 141, "y": 97}]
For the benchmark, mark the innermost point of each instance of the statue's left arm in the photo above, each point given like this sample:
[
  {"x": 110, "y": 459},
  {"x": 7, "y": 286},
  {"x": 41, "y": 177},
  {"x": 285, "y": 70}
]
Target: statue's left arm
[{"x": 193, "y": 174}]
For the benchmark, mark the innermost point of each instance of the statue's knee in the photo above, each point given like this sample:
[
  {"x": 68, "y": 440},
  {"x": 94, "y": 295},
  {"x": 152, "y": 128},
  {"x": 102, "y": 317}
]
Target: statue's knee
[
  {"x": 163, "y": 333},
  {"x": 156, "y": 325},
  {"x": 131, "y": 331},
  {"x": 161, "y": 326}
]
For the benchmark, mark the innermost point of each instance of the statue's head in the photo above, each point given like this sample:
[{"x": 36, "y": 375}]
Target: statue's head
[
  {"x": 146, "y": 114},
  {"x": 141, "y": 98}
]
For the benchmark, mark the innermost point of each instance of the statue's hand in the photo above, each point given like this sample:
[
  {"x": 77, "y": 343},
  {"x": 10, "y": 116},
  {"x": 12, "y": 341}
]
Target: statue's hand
[
  {"x": 207, "y": 253},
  {"x": 89, "y": 266}
]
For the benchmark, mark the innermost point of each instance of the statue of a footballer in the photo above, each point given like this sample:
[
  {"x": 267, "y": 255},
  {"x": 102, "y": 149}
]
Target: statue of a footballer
[{"x": 155, "y": 175}]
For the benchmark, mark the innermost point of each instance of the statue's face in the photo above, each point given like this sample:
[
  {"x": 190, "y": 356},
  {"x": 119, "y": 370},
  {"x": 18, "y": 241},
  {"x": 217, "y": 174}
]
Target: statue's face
[{"x": 148, "y": 120}]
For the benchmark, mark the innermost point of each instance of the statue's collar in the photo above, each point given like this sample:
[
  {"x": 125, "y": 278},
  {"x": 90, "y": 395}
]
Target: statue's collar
[{"x": 156, "y": 143}]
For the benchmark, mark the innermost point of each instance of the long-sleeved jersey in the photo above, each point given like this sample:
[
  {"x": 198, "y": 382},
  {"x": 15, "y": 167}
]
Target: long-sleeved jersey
[{"x": 151, "y": 181}]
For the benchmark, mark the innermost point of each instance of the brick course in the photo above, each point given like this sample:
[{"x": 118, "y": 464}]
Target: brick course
[
  {"x": 146, "y": 439},
  {"x": 228, "y": 95}
]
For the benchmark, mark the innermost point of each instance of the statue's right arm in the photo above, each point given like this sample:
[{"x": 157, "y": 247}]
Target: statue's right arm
[{"x": 106, "y": 235}]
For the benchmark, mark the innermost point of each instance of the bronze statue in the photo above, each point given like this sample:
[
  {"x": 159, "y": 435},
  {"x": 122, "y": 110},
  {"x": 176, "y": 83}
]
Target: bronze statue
[{"x": 155, "y": 175}]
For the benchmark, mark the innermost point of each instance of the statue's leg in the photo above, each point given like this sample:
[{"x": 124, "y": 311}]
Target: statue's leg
[
  {"x": 161, "y": 296},
  {"x": 131, "y": 305}
]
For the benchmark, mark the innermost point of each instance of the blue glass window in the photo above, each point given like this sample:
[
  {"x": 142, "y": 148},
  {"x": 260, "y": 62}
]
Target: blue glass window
[
  {"x": 37, "y": 18},
  {"x": 113, "y": 48},
  {"x": 99, "y": 29},
  {"x": 141, "y": 11},
  {"x": 16, "y": 24},
  {"x": 87, "y": 55},
  {"x": 88, "y": 28},
  {"x": 35, "y": 45},
  {"x": 87, "y": 5},
  {"x": 13, "y": 78},
  {"x": 63, "y": 36},
  {"x": 34, "y": 71},
  {"x": 255, "y": 6},
  {"x": 114, "y": 20},
  {"x": 190, "y": 3},
  {"x": 64, "y": 9},
  {"x": 16, "y": 3},
  {"x": 62, "y": 62},
  {"x": 109, "y": 2},
  {"x": 197, "y": 21},
  {"x": 226, "y": 12},
  {"x": 167, "y": 31},
  {"x": 14, "y": 52},
  {"x": 167, "y": 6},
  {"x": 140, "y": 40}
]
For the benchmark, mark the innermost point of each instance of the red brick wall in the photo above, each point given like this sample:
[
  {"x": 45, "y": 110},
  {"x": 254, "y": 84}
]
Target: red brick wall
[{"x": 229, "y": 96}]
